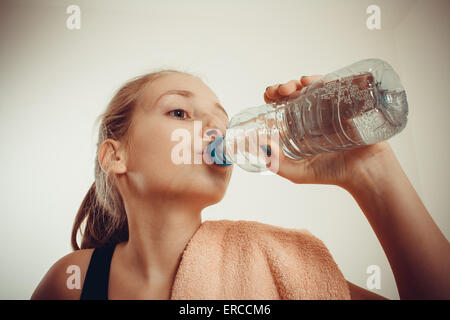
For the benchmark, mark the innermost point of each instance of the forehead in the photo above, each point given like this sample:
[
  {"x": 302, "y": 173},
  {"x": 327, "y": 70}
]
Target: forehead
[{"x": 178, "y": 81}]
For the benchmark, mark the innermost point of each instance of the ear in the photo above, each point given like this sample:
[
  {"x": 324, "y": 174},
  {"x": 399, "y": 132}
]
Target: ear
[{"x": 111, "y": 157}]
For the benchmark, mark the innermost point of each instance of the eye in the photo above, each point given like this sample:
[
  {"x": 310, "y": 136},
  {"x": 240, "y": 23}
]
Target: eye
[{"x": 178, "y": 113}]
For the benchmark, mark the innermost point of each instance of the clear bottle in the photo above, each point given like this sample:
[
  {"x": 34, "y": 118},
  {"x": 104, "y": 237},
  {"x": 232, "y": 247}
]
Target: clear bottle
[{"x": 361, "y": 104}]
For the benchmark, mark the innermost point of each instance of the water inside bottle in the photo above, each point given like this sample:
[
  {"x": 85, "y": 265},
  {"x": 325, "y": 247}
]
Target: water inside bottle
[
  {"x": 341, "y": 114},
  {"x": 327, "y": 116}
]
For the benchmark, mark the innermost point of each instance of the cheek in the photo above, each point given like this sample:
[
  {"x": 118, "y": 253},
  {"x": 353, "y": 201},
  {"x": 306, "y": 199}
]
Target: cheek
[
  {"x": 151, "y": 166},
  {"x": 148, "y": 147},
  {"x": 151, "y": 153}
]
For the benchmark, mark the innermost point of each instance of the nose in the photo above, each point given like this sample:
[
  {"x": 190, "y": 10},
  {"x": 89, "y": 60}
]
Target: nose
[{"x": 213, "y": 128}]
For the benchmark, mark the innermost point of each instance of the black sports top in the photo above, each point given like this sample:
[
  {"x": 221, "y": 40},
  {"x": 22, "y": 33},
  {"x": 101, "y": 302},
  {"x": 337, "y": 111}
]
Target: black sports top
[{"x": 96, "y": 282}]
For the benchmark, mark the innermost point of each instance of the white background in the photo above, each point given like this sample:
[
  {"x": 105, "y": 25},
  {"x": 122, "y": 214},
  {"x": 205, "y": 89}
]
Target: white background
[{"x": 54, "y": 83}]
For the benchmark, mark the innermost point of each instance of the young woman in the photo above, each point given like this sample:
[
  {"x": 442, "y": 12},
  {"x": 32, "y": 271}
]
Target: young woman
[{"x": 148, "y": 207}]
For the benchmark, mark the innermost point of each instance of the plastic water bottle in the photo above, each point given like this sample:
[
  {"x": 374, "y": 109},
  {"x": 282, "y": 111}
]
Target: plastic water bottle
[{"x": 361, "y": 104}]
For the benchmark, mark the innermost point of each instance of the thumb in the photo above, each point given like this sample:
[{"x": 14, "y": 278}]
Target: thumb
[
  {"x": 295, "y": 170},
  {"x": 276, "y": 160}
]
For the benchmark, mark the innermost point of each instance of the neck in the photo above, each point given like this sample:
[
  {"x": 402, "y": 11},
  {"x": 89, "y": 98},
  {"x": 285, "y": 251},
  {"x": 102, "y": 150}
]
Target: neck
[{"x": 159, "y": 231}]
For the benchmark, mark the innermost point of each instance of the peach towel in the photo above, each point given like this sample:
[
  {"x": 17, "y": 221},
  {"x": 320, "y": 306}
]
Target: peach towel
[{"x": 228, "y": 259}]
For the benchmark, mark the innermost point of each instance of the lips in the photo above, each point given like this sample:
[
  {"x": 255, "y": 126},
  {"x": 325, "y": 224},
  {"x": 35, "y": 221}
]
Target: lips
[
  {"x": 206, "y": 156},
  {"x": 216, "y": 152},
  {"x": 209, "y": 154}
]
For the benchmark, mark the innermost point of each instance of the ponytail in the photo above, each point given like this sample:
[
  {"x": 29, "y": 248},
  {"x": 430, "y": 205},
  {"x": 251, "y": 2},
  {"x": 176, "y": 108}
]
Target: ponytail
[{"x": 98, "y": 222}]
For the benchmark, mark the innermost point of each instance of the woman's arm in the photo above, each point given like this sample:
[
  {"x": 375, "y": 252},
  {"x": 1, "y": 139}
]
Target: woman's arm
[
  {"x": 417, "y": 251},
  {"x": 358, "y": 293},
  {"x": 53, "y": 285}
]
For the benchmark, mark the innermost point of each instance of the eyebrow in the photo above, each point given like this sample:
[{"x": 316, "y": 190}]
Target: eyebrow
[{"x": 188, "y": 94}]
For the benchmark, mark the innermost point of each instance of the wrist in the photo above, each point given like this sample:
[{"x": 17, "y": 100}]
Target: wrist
[
  {"x": 376, "y": 185},
  {"x": 372, "y": 170}
]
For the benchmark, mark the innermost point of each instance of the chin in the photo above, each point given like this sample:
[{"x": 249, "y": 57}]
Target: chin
[
  {"x": 216, "y": 184},
  {"x": 211, "y": 193},
  {"x": 208, "y": 184},
  {"x": 212, "y": 199}
]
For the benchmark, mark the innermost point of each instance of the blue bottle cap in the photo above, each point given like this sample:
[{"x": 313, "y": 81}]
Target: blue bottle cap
[{"x": 215, "y": 150}]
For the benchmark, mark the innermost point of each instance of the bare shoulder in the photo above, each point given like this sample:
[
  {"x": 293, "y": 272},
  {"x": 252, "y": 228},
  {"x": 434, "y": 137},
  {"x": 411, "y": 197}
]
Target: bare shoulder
[{"x": 65, "y": 278}]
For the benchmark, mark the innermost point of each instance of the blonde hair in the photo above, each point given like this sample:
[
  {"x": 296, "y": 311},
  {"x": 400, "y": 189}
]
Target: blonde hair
[{"x": 102, "y": 208}]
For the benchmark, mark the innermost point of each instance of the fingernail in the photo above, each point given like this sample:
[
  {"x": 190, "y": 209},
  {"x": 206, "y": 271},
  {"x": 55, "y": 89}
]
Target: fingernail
[{"x": 266, "y": 149}]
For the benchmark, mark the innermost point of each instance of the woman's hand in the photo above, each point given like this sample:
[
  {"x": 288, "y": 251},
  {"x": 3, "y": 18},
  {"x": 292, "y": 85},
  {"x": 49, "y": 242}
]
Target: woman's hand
[{"x": 335, "y": 168}]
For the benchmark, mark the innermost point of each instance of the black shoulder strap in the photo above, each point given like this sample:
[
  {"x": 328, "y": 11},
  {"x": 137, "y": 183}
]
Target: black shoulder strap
[{"x": 95, "y": 285}]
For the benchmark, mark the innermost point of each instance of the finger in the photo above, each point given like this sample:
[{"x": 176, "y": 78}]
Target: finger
[
  {"x": 272, "y": 92},
  {"x": 309, "y": 79},
  {"x": 276, "y": 161},
  {"x": 266, "y": 98},
  {"x": 294, "y": 95},
  {"x": 288, "y": 88},
  {"x": 294, "y": 170},
  {"x": 275, "y": 156}
]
